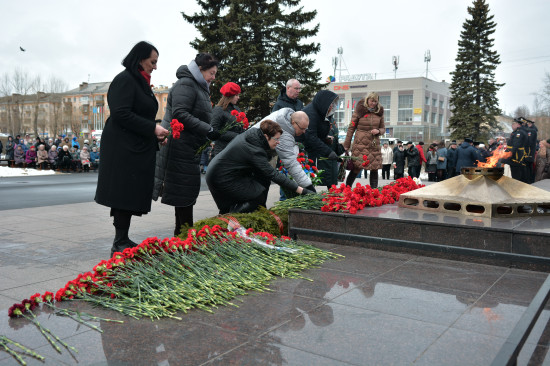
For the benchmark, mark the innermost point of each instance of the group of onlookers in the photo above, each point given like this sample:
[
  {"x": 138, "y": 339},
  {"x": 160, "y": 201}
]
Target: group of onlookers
[{"x": 50, "y": 154}]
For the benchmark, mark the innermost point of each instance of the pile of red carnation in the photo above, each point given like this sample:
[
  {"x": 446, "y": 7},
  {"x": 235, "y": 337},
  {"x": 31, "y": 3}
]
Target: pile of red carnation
[
  {"x": 347, "y": 199},
  {"x": 90, "y": 282}
]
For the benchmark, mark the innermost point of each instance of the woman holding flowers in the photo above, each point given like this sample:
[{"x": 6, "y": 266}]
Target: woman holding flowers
[
  {"x": 177, "y": 175},
  {"x": 240, "y": 176},
  {"x": 224, "y": 117},
  {"x": 129, "y": 143},
  {"x": 367, "y": 123}
]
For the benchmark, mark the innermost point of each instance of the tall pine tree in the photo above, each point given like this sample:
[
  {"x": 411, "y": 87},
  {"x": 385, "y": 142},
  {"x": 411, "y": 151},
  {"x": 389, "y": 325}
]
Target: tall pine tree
[
  {"x": 473, "y": 87},
  {"x": 260, "y": 46}
]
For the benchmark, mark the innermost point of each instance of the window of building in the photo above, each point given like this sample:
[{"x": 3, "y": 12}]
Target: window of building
[
  {"x": 427, "y": 101},
  {"x": 405, "y": 110},
  {"x": 434, "y": 102},
  {"x": 441, "y": 104},
  {"x": 440, "y": 120},
  {"x": 164, "y": 99},
  {"x": 426, "y": 116},
  {"x": 433, "y": 118},
  {"x": 385, "y": 101}
]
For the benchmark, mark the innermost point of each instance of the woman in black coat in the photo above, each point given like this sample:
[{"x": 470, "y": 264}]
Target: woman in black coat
[
  {"x": 222, "y": 117},
  {"x": 240, "y": 176},
  {"x": 129, "y": 143},
  {"x": 321, "y": 138},
  {"x": 177, "y": 174}
]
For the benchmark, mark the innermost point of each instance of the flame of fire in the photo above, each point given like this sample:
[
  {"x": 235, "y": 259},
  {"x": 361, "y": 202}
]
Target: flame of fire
[{"x": 492, "y": 160}]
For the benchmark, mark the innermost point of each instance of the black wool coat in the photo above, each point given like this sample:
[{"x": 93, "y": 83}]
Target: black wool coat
[
  {"x": 177, "y": 174},
  {"x": 128, "y": 145},
  {"x": 242, "y": 170}
]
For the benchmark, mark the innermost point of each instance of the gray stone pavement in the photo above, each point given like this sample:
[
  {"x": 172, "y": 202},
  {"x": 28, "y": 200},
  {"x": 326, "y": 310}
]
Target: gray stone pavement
[{"x": 371, "y": 308}]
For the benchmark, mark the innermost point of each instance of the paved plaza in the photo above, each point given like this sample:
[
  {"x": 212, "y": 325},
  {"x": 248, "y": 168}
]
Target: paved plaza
[{"x": 371, "y": 308}]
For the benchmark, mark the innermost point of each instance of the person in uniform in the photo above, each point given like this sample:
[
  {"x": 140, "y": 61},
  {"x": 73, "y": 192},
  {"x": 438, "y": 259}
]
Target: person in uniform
[
  {"x": 530, "y": 149},
  {"x": 516, "y": 145}
]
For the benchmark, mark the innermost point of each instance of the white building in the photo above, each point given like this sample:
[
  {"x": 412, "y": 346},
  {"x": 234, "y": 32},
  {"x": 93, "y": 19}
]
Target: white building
[{"x": 415, "y": 109}]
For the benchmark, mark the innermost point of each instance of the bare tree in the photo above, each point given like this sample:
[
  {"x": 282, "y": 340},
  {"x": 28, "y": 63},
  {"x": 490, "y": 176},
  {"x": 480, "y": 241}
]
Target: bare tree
[
  {"x": 22, "y": 84},
  {"x": 521, "y": 111},
  {"x": 543, "y": 97},
  {"x": 6, "y": 122},
  {"x": 55, "y": 87}
]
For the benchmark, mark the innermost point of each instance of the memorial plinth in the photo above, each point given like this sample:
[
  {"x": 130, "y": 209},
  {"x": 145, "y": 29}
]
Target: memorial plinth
[{"x": 520, "y": 239}]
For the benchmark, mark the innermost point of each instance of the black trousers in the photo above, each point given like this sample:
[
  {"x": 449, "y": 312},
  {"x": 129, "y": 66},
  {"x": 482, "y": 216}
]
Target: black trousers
[
  {"x": 519, "y": 172},
  {"x": 184, "y": 216},
  {"x": 121, "y": 218},
  {"x": 386, "y": 171}
]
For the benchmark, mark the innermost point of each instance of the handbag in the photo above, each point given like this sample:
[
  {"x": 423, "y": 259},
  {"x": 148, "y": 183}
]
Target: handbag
[
  {"x": 349, "y": 163},
  {"x": 441, "y": 158}
]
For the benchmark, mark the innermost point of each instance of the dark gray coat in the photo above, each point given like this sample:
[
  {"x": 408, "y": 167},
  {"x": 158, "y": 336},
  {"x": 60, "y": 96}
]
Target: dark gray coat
[
  {"x": 241, "y": 170},
  {"x": 466, "y": 156},
  {"x": 220, "y": 119},
  {"x": 128, "y": 145},
  {"x": 177, "y": 175},
  {"x": 283, "y": 101}
]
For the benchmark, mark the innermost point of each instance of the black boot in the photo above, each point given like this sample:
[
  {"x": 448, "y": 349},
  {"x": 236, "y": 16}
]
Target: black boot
[
  {"x": 351, "y": 177},
  {"x": 121, "y": 241},
  {"x": 244, "y": 207},
  {"x": 374, "y": 178}
]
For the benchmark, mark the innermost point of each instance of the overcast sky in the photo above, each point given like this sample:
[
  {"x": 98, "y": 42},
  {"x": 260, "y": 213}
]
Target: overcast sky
[{"x": 80, "y": 41}]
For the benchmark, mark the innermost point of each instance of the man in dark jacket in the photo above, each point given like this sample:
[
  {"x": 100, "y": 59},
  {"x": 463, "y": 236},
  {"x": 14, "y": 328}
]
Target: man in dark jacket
[
  {"x": 466, "y": 155},
  {"x": 289, "y": 97},
  {"x": 239, "y": 177},
  {"x": 319, "y": 139},
  {"x": 516, "y": 145},
  {"x": 413, "y": 160},
  {"x": 530, "y": 148},
  {"x": 451, "y": 160}
]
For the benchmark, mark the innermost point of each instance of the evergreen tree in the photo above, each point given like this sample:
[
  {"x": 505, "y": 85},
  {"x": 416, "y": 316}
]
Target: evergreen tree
[
  {"x": 473, "y": 87},
  {"x": 259, "y": 46}
]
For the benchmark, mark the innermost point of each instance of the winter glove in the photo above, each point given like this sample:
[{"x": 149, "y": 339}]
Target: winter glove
[
  {"x": 306, "y": 191},
  {"x": 311, "y": 188},
  {"x": 213, "y": 134},
  {"x": 333, "y": 156}
]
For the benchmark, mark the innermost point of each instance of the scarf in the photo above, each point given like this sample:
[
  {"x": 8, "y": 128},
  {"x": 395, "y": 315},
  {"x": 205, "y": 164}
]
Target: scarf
[
  {"x": 196, "y": 72},
  {"x": 146, "y": 76}
]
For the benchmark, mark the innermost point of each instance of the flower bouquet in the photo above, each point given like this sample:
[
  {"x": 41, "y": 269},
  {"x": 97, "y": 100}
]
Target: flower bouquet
[
  {"x": 175, "y": 128},
  {"x": 240, "y": 118}
]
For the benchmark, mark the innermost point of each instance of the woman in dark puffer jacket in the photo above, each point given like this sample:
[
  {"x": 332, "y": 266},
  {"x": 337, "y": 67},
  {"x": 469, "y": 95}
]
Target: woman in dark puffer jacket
[{"x": 177, "y": 174}]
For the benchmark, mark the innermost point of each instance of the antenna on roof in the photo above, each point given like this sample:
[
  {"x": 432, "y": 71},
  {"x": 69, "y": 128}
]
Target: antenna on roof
[{"x": 427, "y": 59}]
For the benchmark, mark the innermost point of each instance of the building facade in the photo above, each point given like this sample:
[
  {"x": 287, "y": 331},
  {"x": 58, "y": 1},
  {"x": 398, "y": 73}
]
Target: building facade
[
  {"x": 415, "y": 109},
  {"x": 79, "y": 111}
]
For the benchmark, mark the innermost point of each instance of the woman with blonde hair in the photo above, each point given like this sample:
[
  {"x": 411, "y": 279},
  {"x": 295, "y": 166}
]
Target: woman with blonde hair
[{"x": 367, "y": 124}]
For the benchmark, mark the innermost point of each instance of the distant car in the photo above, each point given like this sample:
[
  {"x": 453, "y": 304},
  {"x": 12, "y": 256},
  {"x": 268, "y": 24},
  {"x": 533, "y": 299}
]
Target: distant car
[{"x": 4, "y": 135}]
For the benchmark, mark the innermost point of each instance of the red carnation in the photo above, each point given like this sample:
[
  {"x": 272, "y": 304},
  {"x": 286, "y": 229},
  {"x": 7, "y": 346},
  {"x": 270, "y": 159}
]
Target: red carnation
[{"x": 234, "y": 112}]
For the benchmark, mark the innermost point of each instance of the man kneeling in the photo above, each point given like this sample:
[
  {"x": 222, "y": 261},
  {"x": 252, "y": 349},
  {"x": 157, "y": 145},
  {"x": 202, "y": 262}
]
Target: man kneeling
[{"x": 239, "y": 176}]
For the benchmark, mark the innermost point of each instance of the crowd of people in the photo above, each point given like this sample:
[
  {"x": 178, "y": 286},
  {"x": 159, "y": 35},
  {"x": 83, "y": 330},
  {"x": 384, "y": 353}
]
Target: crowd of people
[
  {"x": 62, "y": 154},
  {"x": 529, "y": 159}
]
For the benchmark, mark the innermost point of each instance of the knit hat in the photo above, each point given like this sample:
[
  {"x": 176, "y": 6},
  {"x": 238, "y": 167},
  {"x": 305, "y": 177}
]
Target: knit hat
[{"x": 230, "y": 89}]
